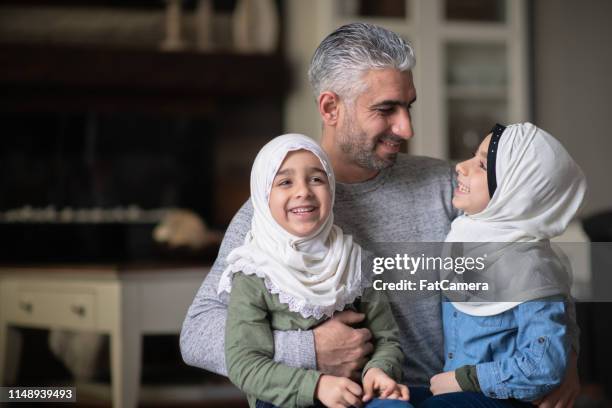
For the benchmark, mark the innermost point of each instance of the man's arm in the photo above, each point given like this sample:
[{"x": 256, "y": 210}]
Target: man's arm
[
  {"x": 573, "y": 331},
  {"x": 202, "y": 338}
]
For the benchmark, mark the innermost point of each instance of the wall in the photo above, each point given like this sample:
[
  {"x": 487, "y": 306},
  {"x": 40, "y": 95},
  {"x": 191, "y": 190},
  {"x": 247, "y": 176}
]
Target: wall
[{"x": 572, "y": 86}]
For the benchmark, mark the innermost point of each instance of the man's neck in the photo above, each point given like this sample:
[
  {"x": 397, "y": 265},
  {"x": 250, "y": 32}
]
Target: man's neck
[
  {"x": 351, "y": 173},
  {"x": 345, "y": 170}
]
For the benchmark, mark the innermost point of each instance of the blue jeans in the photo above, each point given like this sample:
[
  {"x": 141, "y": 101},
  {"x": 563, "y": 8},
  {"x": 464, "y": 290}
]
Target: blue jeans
[
  {"x": 421, "y": 397},
  {"x": 375, "y": 403}
]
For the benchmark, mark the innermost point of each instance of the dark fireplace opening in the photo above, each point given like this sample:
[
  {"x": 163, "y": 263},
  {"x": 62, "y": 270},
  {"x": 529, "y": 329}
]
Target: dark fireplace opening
[{"x": 90, "y": 186}]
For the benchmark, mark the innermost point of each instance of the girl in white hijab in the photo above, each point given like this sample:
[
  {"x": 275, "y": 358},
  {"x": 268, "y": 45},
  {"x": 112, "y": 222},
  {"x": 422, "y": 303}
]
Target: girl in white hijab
[
  {"x": 519, "y": 190},
  {"x": 294, "y": 270}
]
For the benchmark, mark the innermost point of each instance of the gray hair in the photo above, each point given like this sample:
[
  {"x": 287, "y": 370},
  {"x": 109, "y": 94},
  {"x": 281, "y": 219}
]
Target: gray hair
[{"x": 350, "y": 51}]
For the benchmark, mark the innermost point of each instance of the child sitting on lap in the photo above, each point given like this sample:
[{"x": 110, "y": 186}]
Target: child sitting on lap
[
  {"x": 520, "y": 187},
  {"x": 295, "y": 269}
]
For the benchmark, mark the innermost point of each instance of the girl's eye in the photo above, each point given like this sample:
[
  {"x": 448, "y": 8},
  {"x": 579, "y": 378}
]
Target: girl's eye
[
  {"x": 284, "y": 182},
  {"x": 317, "y": 179}
]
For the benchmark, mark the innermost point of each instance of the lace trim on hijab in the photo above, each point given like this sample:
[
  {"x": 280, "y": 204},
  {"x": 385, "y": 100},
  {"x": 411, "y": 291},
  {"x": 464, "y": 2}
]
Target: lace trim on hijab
[{"x": 306, "y": 310}]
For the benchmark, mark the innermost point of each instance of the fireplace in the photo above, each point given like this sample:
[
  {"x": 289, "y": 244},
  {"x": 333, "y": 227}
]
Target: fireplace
[{"x": 98, "y": 143}]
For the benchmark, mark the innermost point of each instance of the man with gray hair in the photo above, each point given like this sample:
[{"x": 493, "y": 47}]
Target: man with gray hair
[{"x": 363, "y": 86}]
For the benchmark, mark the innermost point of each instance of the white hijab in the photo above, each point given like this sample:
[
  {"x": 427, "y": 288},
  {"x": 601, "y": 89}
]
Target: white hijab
[
  {"x": 314, "y": 275},
  {"x": 539, "y": 190}
]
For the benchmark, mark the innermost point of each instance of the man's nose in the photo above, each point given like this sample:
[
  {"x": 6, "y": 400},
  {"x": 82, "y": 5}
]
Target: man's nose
[{"x": 402, "y": 125}]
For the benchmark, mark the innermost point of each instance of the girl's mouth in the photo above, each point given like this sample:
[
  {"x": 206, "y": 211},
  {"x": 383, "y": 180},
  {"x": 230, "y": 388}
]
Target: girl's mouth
[
  {"x": 302, "y": 210},
  {"x": 463, "y": 188}
]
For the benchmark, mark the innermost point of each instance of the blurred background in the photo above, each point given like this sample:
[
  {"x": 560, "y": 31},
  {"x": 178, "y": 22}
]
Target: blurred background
[{"x": 129, "y": 128}]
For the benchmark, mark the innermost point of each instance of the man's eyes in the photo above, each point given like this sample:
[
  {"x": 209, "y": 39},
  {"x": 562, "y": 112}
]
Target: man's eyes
[{"x": 387, "y": 110}]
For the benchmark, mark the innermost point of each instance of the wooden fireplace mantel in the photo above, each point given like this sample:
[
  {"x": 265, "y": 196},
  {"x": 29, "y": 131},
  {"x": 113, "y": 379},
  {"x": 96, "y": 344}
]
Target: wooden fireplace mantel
[{"x": 60, "y": 78}]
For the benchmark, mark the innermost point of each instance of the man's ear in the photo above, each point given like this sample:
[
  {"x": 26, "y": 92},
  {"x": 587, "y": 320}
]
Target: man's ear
[{"x": 329, "y": 106}]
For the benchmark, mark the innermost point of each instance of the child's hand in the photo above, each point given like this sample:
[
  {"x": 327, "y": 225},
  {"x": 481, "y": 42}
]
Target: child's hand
[
  {"x": 338, "y": 392},
  {"x": 443, "y": 383},
  {"x": 375, "y": 380}
]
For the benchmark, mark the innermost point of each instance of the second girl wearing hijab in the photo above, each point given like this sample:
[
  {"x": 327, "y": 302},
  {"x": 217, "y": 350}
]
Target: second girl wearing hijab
[{"x": 521, "y": 187}]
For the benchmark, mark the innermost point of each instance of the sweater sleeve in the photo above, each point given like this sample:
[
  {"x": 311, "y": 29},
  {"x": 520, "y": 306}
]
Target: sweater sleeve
[
  {"x": 202, "y": 336},
  {"x": 538, "y": 365},
  {"x": 249, "y": 350},
  {"x": 388, "y": 355},
  {"x": 573, "y": 331}
]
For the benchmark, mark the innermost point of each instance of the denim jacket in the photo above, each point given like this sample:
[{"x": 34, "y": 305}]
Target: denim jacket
[{"x": 520, "y": 353}]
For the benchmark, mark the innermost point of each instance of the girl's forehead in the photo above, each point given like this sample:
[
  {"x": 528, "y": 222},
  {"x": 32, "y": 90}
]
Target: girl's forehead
[
  {"x": 484, "y": 146},
  {"x": 300, "y": 159}
]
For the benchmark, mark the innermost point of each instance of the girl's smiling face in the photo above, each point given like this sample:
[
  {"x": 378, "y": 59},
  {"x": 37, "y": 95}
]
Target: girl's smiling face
[
  {"x": 300, "y": 198},
  {"x": 472, "y": 192}
]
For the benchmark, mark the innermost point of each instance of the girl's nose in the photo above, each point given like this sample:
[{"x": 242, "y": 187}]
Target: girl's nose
[
  {"x": 461, "y": 168},
  {"x": 302, "y": 190}
]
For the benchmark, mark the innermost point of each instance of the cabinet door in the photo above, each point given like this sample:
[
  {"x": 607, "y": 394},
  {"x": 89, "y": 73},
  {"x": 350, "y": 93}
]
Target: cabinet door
[{"x": 45, "y": 307}]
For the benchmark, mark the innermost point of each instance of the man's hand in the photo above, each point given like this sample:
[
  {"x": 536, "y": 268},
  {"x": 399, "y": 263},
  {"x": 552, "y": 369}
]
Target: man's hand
[
  {"x": 565, "y": 395},
  {"x": 376, "y": 382},
  {"x": 338, "y": 392},
  {"x": 340, "y": 349},
  {"x": 444, "y": 383}
]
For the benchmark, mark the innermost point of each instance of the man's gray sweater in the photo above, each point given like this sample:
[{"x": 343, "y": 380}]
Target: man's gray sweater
[{"x": 408, "y": 202}]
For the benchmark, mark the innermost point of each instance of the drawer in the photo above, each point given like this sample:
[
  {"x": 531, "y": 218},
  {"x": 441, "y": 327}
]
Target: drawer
[{"x": 70, "y": 310}]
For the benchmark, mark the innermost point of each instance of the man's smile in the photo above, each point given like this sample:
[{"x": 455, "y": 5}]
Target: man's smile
[{"x": 391, "y": 144}]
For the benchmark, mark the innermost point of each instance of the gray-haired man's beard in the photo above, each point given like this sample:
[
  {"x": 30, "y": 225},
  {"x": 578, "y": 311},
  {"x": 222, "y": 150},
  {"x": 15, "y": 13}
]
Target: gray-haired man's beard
[
  {"x": 367, "y": 158},
  {"x": 363, "y": 153}
]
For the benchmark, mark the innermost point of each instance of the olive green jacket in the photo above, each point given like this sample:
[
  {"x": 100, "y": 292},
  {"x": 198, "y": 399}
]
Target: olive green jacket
[{"x": 254, "y": 314}]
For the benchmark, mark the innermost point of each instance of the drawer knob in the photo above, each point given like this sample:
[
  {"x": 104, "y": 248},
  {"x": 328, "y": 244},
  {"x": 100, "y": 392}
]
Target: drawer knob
[
  {"x": 26, "y": 306},
  {"x": 79, "y": 310}
]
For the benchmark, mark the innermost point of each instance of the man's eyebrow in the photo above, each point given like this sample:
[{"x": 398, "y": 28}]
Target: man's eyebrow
[{"x": 394, "y": 102}]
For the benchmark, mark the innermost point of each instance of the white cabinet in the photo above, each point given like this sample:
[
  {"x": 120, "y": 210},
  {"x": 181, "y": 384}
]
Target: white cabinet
[
  {"x": 125, "y": 304},
  {"x": 471, "y": 72},
  {"x": 36, "y": 306}
]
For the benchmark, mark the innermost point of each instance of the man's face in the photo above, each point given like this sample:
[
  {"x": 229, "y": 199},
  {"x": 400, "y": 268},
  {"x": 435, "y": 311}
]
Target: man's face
[{"x": 378, "y": 120}]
